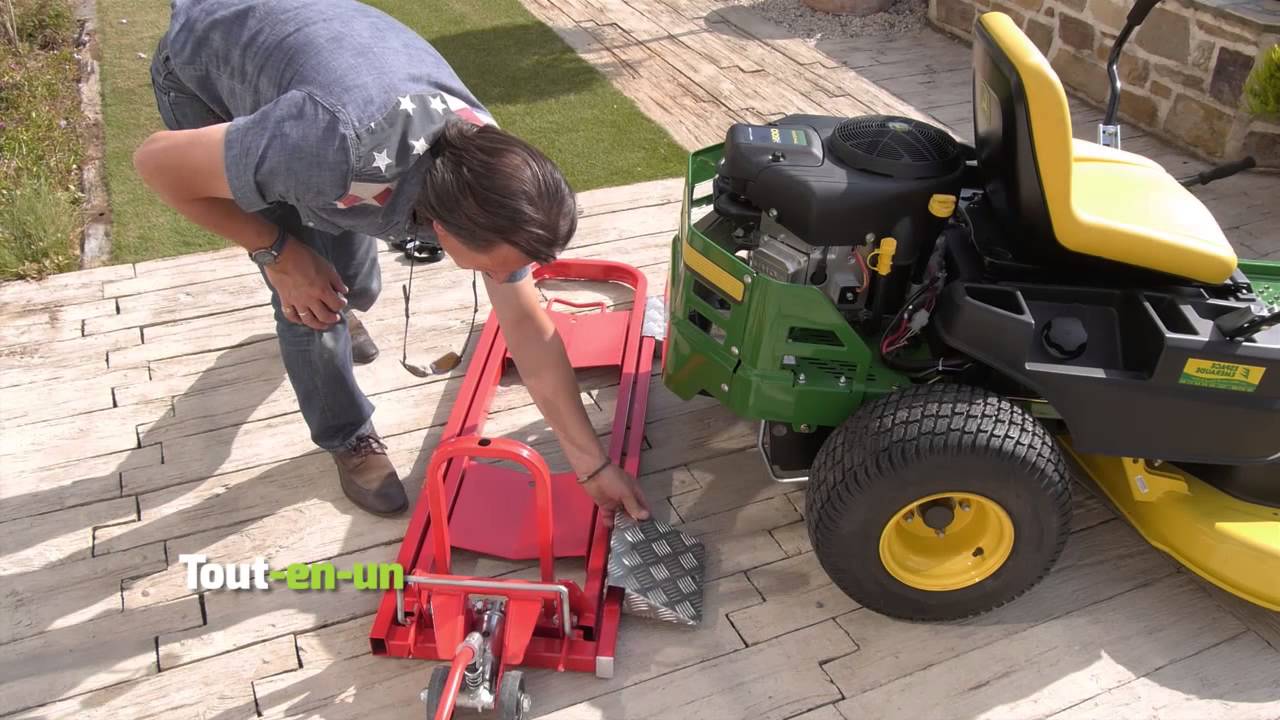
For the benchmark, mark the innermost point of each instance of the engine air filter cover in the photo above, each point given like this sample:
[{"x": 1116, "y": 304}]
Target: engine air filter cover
[
  {"x": 832, "y": 180},
  {"x": 898, "y": 147}
]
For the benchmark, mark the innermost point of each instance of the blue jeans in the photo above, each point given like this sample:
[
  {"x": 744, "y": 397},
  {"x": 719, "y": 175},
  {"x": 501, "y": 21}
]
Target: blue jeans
[{"x": 318, "y": 363}]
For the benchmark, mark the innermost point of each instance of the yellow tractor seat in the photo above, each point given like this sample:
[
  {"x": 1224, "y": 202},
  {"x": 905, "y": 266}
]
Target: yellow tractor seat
[{"x": 1095, "y": 201}]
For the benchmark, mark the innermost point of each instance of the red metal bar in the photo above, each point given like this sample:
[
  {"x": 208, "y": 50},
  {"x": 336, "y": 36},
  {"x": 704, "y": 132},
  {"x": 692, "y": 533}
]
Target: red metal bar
[
  {"x": 541, "y": 640},
  {"x": 633, "y": 389},
  {"x": 597, "y": 561},
  {"x": 449, "y": 697},
  {"x": 411, "y": 545},
  {"x": 578, "y": 655},
  {"x": 522, "y": 621},
  {"x": 606, "y": 647},
  {"x": 492, "y": 449}
]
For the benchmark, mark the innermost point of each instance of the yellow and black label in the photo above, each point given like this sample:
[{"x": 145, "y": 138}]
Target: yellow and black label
[
  {"x": 776, "y": 135},
  {"x": 1221, "y": 375},
  {"x": 787, "y": 136}
]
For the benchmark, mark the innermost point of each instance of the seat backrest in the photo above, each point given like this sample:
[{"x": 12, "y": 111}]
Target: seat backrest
[{"x": 1022, "y": 132}]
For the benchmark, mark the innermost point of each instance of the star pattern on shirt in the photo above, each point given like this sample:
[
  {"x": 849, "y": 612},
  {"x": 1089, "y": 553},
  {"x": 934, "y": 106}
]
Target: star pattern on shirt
[
  {"x": 396, "y": 143},
  {"x": 362, "y": 193}
]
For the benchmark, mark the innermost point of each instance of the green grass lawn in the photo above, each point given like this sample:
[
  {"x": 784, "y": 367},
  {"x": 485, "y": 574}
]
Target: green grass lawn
[
  {"x": 533, "y": 83},
  {"x": 40, "y": 145}
]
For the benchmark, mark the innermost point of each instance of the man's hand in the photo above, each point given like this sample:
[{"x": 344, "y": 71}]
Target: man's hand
[
  {"x": 614, "y": 488},
  {"x": 187, "y": 169},
  {"x": 311, "y": 291}
]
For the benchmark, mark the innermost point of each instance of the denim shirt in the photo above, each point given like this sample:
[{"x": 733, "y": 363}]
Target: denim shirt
[{"x": 333, "y": 106}]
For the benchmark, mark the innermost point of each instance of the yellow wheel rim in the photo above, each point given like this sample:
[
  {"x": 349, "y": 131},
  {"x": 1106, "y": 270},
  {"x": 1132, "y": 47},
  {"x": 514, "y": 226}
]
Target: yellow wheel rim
[{"x": 974, "y": 538}]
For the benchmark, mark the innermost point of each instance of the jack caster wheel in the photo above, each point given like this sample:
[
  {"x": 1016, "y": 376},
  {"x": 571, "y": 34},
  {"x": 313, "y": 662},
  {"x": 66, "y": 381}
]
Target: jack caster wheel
[
  {"x": 431, "y": 696},
  {"x": 513, "y": 702},
  {"x": 938, "y": 502}
]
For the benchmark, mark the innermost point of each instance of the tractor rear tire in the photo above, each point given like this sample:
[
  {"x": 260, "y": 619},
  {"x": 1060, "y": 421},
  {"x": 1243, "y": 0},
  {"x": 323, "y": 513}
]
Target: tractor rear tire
[{"x": 938, "y": 502}]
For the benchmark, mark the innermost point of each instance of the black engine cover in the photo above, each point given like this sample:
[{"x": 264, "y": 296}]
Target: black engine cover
[{"x": 833, "y": 180}]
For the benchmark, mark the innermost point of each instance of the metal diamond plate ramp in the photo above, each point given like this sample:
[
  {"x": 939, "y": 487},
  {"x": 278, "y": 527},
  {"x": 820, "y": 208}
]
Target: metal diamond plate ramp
[{"x": 659, "y": 568}]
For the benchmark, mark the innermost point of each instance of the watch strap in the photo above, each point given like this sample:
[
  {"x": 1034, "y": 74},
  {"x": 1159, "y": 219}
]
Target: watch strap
[
  {"x": 274, "y": 249},
  {"x": 277, "y": 247}
]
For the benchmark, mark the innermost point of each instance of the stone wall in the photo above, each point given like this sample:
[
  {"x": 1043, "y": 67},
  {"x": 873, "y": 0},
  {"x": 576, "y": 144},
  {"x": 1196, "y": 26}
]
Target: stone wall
[{"x": 1182, "y": 73}]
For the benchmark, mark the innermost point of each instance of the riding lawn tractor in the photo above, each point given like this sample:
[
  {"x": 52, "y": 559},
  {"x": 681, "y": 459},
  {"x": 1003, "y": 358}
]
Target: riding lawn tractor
[{"x": 939, "y": 336}]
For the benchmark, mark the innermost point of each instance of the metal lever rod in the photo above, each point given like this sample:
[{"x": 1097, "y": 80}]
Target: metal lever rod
[
  {"x": 499, "y": 586},
  {"x": 1219, "y": 172},
  {"x": 1108, "y": 130}
]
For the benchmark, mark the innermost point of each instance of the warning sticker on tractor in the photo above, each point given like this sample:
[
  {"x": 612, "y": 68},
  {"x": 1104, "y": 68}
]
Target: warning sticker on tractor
[{"x": 1221, "y": 375}]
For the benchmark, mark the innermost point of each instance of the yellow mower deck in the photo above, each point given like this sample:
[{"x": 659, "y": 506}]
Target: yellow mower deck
[{"x": 1229, "y": 542}]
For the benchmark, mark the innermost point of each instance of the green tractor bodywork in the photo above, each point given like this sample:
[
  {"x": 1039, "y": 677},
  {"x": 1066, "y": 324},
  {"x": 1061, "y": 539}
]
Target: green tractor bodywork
[
  {"x": 767, "y": 350},
  {"x": 1265, "y": 277},
  {"x": 776, "y": 351},
  {"x": 932, "y": 399}
]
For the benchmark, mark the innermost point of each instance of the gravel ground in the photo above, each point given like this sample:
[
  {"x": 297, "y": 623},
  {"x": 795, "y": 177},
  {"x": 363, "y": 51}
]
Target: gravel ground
[{"x": 813, "y": 26}]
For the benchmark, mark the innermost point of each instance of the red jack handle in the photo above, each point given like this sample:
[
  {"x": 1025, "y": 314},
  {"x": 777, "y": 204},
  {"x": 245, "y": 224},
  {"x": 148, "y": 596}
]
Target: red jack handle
[
  {"x": 466, "y": 653},
  {"x": 494, "y": 449}
]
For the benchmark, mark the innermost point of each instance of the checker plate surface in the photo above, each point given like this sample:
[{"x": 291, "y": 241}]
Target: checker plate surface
[{"x": 659, "y": 568}]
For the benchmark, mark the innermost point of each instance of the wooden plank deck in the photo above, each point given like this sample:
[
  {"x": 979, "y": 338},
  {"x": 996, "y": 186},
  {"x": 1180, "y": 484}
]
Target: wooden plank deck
[
  {"x": 144, "y": 413},
  {"x": 204, "y": 453}
]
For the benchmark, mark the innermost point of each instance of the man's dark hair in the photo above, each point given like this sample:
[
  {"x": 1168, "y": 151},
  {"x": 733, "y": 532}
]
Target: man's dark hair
[{"x": 487, "y": 187}]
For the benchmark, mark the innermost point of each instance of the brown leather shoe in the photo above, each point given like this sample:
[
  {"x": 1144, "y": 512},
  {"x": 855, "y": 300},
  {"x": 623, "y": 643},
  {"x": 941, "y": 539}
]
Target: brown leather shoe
[
  {"x": 363, "y": 349},
  {"x": 369, "y": 479}
]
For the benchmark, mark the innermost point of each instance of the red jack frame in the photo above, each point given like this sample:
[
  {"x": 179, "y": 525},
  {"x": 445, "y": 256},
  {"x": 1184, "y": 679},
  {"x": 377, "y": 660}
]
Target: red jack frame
[{"x": 518, "y": 515}]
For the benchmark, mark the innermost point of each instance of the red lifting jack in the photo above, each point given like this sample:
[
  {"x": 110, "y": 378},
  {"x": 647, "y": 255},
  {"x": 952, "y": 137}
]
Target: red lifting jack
[{"x": 486, "y": 626}]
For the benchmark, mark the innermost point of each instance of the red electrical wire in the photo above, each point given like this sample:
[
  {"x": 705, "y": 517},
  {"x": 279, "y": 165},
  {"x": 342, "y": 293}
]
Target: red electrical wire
[
  {"x": 894, "y": 339},
  {"x": 866, "y": 272}
]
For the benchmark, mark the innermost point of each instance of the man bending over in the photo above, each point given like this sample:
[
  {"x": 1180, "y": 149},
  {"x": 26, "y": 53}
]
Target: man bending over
[{"x": 302, "y": 131}]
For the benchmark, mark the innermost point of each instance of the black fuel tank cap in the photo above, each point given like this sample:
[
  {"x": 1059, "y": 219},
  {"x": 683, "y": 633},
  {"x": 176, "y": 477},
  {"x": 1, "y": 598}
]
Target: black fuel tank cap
[{"x": 1065, "y": 337}]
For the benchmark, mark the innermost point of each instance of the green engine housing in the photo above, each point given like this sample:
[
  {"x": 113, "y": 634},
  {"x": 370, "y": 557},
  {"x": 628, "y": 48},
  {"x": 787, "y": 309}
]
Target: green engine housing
[{"x": 766, "y": 350}]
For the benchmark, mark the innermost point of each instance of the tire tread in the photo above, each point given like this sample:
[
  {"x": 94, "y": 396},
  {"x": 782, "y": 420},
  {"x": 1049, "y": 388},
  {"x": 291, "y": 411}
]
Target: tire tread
[{"x": 896, "y": 430}]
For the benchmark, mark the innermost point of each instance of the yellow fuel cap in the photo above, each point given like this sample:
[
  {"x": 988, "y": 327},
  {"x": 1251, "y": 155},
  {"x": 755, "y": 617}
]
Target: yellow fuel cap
[{"x": 942, "y": 205}]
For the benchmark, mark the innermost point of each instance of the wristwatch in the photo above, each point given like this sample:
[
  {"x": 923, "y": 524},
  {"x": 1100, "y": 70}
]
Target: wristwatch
[{"x": 270, "y": 255}]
